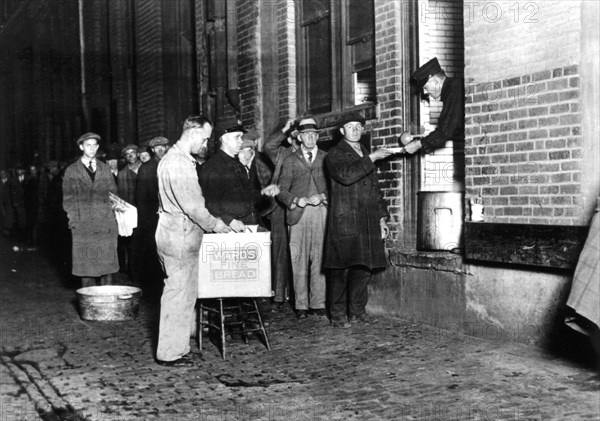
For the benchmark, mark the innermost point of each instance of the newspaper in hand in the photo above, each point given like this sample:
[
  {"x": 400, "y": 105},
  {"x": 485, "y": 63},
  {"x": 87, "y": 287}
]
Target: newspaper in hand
[{"x": 125, "y": 214}]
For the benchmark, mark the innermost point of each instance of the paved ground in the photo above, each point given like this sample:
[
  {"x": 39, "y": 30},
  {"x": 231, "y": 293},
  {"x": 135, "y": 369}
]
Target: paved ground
[{"x": 57, "y": 367}]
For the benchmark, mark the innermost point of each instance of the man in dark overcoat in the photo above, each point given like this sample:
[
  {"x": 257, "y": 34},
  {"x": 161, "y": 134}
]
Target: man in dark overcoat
[
  {"x": 356, "y": 223},
  {"x": 86, "y": 186}
]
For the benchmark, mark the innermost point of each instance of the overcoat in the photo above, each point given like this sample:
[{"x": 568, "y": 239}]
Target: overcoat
[
  {"x": 91, "y": 219},
  {"x": 355, "y": 207}
]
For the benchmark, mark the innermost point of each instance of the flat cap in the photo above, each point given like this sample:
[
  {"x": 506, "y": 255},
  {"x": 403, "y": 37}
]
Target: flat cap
[
  {"x": 157, "y": 141},
  {"x": 248, "y": 143},
  {"x": 87, "y": 136},
  {"x": 420, "y": 76},
  {"x": 129, "y": 147},
  {"x": 350, "y": 117},
  {"x": 112, "y": 153}
]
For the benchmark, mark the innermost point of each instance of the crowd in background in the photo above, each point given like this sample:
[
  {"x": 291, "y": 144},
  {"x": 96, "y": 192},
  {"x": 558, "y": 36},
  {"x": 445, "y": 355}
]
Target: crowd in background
[{"x": 31, "y": 202}]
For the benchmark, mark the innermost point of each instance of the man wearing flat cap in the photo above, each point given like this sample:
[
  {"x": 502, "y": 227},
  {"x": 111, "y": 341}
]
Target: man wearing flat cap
[
  {"x": 146, "y": 269},
  {"x": 127, "y": 177},
  {"x": 356, "y": 225},
  {"x": 225, "y": 183},
  {"x": 86, "y": 185},
  {"x": 431, "y": 80},
  {"x": 126, "y": 185}
]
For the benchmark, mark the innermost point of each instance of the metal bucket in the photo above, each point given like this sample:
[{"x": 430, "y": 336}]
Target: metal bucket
[
  {"x": 440, "y": 220},
  {"x": 109, "y": 302}
]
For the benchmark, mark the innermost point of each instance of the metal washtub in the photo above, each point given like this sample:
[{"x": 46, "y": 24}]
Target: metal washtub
[{"x": 109, "y": 302}]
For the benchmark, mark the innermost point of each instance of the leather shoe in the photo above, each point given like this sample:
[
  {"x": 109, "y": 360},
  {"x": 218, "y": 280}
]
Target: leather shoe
[
  {"x": 278, "y": 307},
  {"x": 184, "y": 361},
  {"x": 302, "y": 314},
  {"x": 364, "y": 319},
  {"x": 342, "y": 324},
  {"x": 319, "y": 312}
]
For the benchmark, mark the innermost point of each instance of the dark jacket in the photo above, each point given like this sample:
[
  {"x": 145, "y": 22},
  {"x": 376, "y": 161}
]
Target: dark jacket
[
  {"x": 17, "y": 197},
  {"x": 260, "y": 175},
  {"x": 146, "y": 195},
  {"x": 226, "y": 189},
  {"x": 296, "y": 176},
  {"x": 7, "y": 212},
  {"x": 451, "y": 122},
  {"x": 126, "y": 181},
  {"x": 355, "y": 207},
  {"x": 277, "y": 153}
]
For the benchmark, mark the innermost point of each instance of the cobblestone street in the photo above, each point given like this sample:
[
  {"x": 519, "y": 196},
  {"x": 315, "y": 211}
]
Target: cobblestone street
[{"x": 57, "y": 367}]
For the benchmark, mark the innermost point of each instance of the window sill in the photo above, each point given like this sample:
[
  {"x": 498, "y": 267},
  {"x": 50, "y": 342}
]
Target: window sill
[
  {"x": 368, "y": 111},
  {"x": 436, "y": 260}
]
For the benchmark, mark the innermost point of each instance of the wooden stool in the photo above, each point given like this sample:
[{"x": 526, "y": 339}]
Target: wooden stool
[{"x": 242, "y": 313}]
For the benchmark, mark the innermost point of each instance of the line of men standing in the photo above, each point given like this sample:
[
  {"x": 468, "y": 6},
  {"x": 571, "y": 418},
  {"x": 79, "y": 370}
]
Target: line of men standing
[
  {"x": 331, "y": 205},
  {"x": 22, "y": 204}
]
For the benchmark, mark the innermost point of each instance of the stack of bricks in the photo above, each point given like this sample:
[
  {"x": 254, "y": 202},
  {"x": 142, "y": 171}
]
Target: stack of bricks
[{"x": 523, "y": 118}]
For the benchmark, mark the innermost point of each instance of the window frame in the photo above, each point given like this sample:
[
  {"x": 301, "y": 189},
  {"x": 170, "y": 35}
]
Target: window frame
[{"x": 342, "y": 87}]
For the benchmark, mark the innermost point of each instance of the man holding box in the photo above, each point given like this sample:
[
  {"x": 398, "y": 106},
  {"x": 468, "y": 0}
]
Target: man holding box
[{"x": 183, "y": 219}]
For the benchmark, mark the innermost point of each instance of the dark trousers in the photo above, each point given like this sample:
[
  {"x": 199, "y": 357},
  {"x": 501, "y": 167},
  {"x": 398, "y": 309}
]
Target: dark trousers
[
  {"x": 348, "y": 292},
  {"x": 281, "y": 267},
  {"x": 145, "y": 265}
]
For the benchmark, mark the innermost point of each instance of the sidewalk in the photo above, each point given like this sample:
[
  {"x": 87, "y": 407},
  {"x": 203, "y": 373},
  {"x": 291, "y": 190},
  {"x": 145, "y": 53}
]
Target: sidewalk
[{"x": 65, "y": 368}]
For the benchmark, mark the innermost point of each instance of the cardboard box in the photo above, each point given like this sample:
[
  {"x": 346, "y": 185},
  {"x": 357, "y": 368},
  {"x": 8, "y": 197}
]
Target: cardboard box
[{"x": 235, "y": 265}]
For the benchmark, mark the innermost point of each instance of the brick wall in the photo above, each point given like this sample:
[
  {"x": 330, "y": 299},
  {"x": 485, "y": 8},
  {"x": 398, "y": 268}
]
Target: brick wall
[
  {"x": 523, "y": 114},
  {"x": 286, "y": 46},
  {"x": 249, "y": 63},
  {"x": 391, "y": 82},
  {"x": 150, "y": 85},
  {"x": 120, "y": 65}
]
